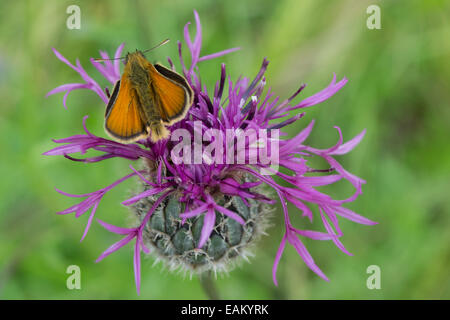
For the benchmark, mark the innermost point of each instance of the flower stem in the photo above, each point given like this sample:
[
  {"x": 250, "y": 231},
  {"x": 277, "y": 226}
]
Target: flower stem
[{"x": 208, "y": 285}]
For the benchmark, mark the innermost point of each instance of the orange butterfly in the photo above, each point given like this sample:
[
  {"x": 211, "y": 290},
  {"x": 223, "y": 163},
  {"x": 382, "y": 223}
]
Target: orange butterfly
[{"x": 145, "y": 100}]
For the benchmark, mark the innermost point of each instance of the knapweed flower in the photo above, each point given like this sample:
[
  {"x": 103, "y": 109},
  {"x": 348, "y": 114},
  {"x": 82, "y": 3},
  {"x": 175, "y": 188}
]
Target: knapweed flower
[{"x": 205, "y": 194}]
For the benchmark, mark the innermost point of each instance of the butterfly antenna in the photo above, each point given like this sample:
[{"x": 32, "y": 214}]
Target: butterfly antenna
[
  {"x": 99, "y": 60},
  {"x": 157, "y": 46}
]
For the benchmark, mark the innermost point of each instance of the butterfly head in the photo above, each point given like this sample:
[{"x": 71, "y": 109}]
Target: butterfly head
[{"x": 134, "y": 57}]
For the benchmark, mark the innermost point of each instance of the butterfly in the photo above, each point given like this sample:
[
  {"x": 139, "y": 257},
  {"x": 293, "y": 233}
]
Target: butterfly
[{"x": 147, "y": 98}]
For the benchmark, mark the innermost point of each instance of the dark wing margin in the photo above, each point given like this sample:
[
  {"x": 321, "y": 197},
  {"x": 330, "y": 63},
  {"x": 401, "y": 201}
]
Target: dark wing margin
[
  {"x": 174, "y": 76},
  {"x": 113, "y": 98}
]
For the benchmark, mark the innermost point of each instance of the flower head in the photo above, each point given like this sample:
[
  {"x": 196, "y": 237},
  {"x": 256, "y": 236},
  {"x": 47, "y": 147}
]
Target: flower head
[{"x": 204, "y": 184}]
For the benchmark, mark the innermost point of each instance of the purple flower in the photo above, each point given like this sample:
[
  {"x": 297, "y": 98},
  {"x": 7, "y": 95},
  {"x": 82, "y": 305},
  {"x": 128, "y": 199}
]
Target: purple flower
[{"x": 197, "y": 179}]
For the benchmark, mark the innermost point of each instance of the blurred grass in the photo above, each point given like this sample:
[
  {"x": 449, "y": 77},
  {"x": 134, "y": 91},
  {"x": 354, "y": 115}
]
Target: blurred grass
[{"x": 397, "y": 89}]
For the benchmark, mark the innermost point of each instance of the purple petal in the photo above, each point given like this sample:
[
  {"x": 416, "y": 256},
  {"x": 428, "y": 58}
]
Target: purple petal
[
  {"x": 338, "y": 144},
  {"x": 350, "y": 215},
  {"x": 255, "y": 81},
  {"x": 277, "y": 259},
  {"x": 108, "y": 73},
  {"x": 198, "y": 37},
  {"x": 306, "y": 256},
  {"x": 298, "y": 139},
  {"x": 61, "y": 57},
  {"x": 208, "y": 226},
  {"x": 354, "y": 180},
  {"x": 287, "y": 122},
  {"x": 187, "y": 37},
  {"x": 86, "y": 204},
  {"x": 194, "y": 212},
  {"x": 117, "y": 61},
  {"x": 323, "y": 95},
  {"x": 140, "y": 175},
  {"x": 330, "y": 231},
  {"x": 315, "y": 235},
  {"x": 230, "y": 214},
  {"x": 116, "y": 246},
  {"x": 299, "y": 204},
  {"x": 349, "y": 145},
  {"x": 67, "y": 87},
  {"x": 115, "y": 229},
  {"x": 320, "y": 180},
  {"x": 88, "y": 225},
  {"x": 217, "y": 54},
  {"x": 137, "y": 266},
  {"x": 153, "y": 208},
  {"x": 74, "y": 195},
  {"x": 142, "y": 195},
  {"x": 74, "y": 208}
]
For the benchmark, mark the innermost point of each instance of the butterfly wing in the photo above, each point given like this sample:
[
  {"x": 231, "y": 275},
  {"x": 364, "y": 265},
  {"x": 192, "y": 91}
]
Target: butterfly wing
[
  {"x": 123, "y": 120},
  {"x": 173, "y": 94}
]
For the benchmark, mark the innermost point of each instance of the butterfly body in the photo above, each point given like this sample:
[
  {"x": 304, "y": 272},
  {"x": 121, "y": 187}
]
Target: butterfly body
[{"x": 145, "y": 100}]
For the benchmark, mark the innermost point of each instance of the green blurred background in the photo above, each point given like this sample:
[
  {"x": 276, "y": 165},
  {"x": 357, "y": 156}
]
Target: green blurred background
[{"x": 397, "y": 89}]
